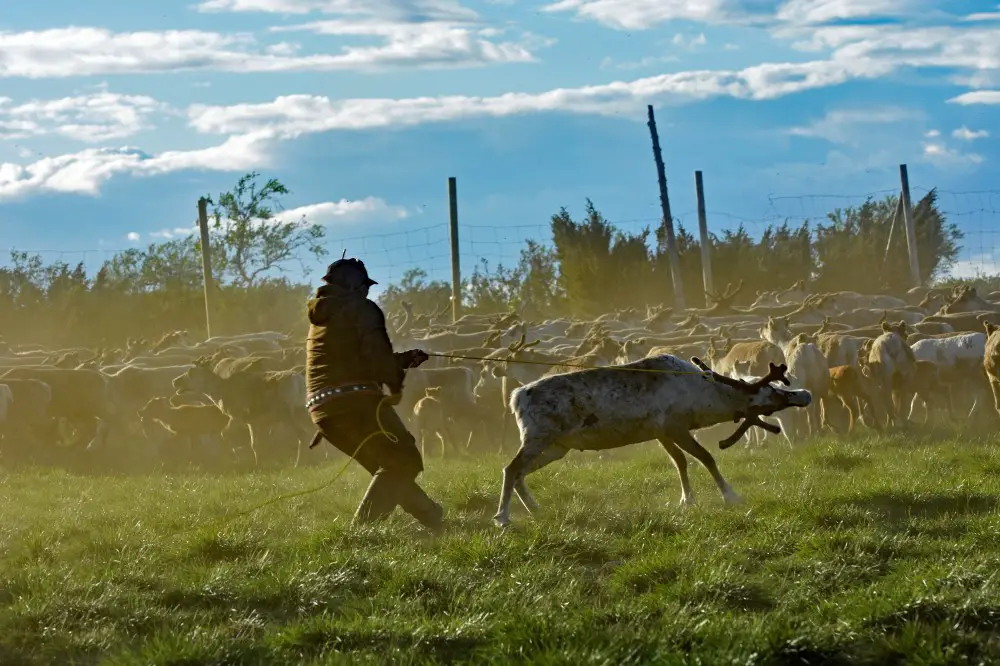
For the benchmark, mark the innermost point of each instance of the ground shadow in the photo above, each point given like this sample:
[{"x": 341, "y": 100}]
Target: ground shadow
[{"x": 902, "y": 505}]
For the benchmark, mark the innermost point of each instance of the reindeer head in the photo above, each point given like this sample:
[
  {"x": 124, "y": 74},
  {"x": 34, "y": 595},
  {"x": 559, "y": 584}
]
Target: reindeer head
[
  {"x": 777, "y": 330},
  {"x": 515, "y": 349},
  {"x": 899, "y": 328},
  {"x": 755, "y": 399}
]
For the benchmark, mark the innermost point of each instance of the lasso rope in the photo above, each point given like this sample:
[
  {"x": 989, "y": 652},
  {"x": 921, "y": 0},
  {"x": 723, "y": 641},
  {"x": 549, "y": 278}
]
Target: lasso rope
[
  {"x": 555, "y": 364},
  {"x": 280, "y": 498}
]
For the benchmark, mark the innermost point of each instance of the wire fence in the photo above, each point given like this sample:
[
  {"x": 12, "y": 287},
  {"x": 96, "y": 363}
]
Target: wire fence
[{"x": 390, "y": 255}]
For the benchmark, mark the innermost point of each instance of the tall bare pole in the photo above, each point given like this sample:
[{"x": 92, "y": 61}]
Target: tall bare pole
[
  {"x": 668, "y": 221},
  {"x": 706, "y": 243},
  {"x": 206, "y": 263},
  {"x": 911, "y": 232},
  {"x": 456, "y": 271}
]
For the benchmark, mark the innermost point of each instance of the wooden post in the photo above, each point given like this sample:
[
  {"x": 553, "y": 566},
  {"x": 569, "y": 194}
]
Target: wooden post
[
  {"x": 206, "y": 264},
  {"x": 668, "y": 221},
  {"x": 911, "y": 232},
  {"x": 892, "y": 230},
  {"x": 456, "y": 271},
  {"x": 706, "y": 249}
]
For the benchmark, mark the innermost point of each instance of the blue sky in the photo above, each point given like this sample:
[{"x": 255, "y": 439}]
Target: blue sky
[{"x": 115, "y": 117}]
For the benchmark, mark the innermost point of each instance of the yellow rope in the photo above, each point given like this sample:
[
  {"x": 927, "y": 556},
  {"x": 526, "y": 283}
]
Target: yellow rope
[{"x": 571, "y": 365}]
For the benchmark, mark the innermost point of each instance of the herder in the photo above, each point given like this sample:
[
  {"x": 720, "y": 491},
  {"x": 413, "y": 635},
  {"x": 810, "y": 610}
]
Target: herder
[{"x": 348, "y": 359}]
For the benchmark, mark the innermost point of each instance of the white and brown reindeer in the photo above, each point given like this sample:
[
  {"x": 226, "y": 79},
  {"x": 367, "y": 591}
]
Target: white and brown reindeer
[{"x": 660, "y": 397}]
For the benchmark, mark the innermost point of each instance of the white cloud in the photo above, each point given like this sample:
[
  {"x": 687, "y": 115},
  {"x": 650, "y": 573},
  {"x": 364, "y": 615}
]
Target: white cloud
[
  {"x": 941, "y": 154},
  {"x": 847, "y": 126},
  {"x": 89, "y": 118},
  {"x": 172, "y": 234},
  {"x": 644, "y": 14},
  {"x": 931, "y": 134},
  {"x": 966, "y": 134},
  {"x": 984, "y": 16},
  {"x": 648, "y": 61},
  {"x": 370, "y": 210},
  {"x": 288, "y": 117},
  {"x": 977, "y": 265},
  {"x": 399, "y": 9},
  {"x": 84, "y": 172},
  {"x": 689, "y": 42},
  {"x": 428, "y": 43},
  {"x": 69, "y": 52},
  {"x": 977, "y": 97},
  {"x": 824, "y": 11},
  {"x": 329, "y": 213}
]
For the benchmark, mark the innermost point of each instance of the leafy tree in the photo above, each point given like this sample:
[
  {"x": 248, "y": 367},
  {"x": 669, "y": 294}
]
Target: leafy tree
[
  {"x": 426, "y": 296},
  {"x": 600, "y": 265},
  {"x": 249, "y": 241},
  {"x": 851, "y": 249}
]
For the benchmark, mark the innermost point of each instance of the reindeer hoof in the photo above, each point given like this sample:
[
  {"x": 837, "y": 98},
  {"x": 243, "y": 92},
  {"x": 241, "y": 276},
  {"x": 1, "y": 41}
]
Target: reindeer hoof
[
  {"x": 731, "y": 497},
  {"x": 687, "y": 500},
  {"x": 501, "y": 521}
]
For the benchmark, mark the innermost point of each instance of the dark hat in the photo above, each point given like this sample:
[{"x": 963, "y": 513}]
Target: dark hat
[{"x": 347, "y": 272}]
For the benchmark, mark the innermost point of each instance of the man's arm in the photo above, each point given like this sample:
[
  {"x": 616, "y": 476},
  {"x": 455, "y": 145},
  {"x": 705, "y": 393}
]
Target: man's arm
[{"x": 377, "y": 348}]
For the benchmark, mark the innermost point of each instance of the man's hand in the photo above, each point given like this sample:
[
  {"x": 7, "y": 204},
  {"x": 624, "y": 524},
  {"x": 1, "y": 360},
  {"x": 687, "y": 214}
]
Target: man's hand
[{"x": 416, "y": 357}]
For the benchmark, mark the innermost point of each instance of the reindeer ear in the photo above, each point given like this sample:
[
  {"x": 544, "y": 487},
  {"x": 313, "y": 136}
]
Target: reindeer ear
[{"x": 990, "y": 328}]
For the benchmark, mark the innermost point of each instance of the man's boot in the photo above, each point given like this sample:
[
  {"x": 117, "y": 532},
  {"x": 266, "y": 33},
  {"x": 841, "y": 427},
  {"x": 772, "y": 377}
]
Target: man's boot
[
  {"x": 379, "y": 501},
  {"x": 418, "y": 504}
]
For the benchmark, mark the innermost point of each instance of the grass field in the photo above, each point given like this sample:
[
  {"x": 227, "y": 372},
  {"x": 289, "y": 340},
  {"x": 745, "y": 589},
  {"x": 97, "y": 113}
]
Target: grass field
[{"x": 863, "y": 551}]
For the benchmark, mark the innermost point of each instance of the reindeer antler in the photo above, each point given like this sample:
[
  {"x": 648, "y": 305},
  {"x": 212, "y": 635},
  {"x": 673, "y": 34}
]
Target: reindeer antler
[
  {"x": 775, "y": 373},
  {"x": 748, "y": 422}
]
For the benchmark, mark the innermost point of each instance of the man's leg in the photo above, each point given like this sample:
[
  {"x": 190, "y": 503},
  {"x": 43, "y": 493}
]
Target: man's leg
[
  {"x": 394, "y": 466},
  {"x": 401, "y": 463}
]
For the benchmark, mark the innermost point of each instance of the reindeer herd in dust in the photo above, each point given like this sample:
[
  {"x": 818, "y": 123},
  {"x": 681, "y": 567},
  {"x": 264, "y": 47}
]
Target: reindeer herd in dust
[{"x": 788, "y": 367}]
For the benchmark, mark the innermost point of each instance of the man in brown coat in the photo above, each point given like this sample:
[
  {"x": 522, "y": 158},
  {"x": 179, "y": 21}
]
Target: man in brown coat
[{"x": 349, "y": 358}]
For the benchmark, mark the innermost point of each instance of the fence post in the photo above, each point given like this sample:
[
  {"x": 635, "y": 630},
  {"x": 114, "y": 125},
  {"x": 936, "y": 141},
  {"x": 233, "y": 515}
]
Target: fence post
[
  {"x": 456, "y": 271},
  {"x": 668, "y": 220},
  {"x": 911, "y": 233},
  {"x": 892, "y": 231},
  {"x": 706, "y": 248},
  {"x": 206, "y": 264}
]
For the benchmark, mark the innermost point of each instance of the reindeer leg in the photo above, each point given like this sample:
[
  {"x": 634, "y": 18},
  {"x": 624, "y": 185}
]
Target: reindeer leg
[
  {"x": 690, "y": 445},
  {"x": 253, "y": 448},
  {"x": 531, "y": 456},
  {"x": 681, "y": 463},
  {"x": 547, "y": 456}
]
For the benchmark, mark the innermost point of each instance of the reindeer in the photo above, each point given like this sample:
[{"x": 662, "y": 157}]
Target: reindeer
[{"x": 662, "y": 398}]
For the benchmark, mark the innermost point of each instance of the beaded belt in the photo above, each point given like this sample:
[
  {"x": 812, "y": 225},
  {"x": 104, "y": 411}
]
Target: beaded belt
[{"x": 323, "y": 394}]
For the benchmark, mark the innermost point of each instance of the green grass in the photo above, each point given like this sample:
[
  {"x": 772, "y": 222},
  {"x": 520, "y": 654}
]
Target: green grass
[{"x": 871, "y": 551}]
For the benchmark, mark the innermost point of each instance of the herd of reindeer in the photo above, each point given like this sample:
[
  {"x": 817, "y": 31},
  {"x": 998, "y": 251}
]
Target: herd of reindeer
[{"x": 235, "y": 403}]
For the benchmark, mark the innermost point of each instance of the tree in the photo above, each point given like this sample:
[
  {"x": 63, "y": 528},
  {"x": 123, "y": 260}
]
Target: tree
[
  {"x": 530, "y": 288},
  {"x": 851, "y": 249},
  {"x": 600, "y": 267},
  {"x": 249, "y": 241},
  {"x": 426, "y": 297}
]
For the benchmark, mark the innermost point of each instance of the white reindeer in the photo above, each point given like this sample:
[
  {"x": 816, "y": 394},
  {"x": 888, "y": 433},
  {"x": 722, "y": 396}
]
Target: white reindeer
[
  {"x": 660, "y": 397},
  {"x": 807, "y": 368}
]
